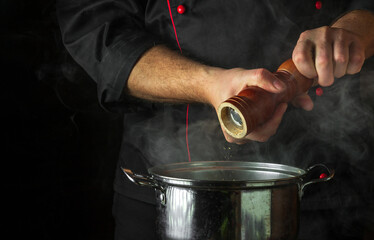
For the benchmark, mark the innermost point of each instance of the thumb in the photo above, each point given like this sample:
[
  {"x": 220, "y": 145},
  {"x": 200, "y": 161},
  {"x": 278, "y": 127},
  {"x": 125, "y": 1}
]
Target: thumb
[
  {"x": 303, "y": 101},
  {"x": 268, "y": 81}
]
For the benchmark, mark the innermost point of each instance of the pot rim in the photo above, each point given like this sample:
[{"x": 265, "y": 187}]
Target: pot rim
[{"x": 166, "y": 174}]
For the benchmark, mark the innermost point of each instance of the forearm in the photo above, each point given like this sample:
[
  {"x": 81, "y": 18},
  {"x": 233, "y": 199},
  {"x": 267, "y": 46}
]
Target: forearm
[
  {"x": 164, "y": 75},
  {"x": 360, "y": 22}
]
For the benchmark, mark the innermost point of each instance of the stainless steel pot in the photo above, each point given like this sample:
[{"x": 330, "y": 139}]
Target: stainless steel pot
[{"x": 227, "y": 200}]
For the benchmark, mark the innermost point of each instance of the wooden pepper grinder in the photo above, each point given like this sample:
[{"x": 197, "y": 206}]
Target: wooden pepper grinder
[{"x": 241, "y": 114}]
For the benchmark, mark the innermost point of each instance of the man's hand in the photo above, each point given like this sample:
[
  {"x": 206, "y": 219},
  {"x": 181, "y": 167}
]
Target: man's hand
[
  {"x": 327, "y": 53},
  {"x": 323, "y": 53},
  {"x": 164, "y": 75},
  {"x": 230, "y": 82}
]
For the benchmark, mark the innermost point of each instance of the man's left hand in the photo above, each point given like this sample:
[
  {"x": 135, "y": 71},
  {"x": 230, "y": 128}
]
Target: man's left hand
[{"x": 326, "y": 53}]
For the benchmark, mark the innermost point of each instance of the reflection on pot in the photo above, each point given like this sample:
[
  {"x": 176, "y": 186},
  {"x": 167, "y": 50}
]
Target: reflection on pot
[{"x": 227, "y": 200}]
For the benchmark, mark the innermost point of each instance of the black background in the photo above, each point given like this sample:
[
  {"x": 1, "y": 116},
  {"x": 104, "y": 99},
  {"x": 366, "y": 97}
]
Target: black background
[{"x": 59, "y": 147}]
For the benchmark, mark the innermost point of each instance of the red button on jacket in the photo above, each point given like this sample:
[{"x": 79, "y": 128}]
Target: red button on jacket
[
  {"x": 318, "y": 5},
  {"x": 181, "y": 9}
]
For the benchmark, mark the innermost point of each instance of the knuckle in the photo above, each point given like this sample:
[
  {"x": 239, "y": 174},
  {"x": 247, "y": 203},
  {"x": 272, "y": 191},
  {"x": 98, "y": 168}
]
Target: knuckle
[
  {"x": 325, "y": 29},
  {"x": 342, "y": 37},
  {"x": 324, "y": 34},
  {"x": 322, "y": 61},
  {"x": 340, "y": 33},
  {"x": 341, "y": 59},
  {"x": 299, "y": 57},
  {"x": 261, "y": 73},
  {"x": 355, "y": 64},
  {"x": 357, "y": 59},
  {"x": 304, "y": 35}
]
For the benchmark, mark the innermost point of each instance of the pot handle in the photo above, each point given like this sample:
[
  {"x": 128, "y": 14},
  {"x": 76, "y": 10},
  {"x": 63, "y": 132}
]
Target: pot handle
[
  {"x": 317, "y": 180},
  {"x": 139, "y": 179},
  {"x": 147, "y": 181}
]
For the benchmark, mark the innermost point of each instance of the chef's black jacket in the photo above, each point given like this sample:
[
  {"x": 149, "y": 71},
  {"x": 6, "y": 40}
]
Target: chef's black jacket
[{"x": 107, "y": 37}]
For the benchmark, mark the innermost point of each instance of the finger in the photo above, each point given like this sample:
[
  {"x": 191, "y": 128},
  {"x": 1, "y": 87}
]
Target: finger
[
  {"x": 231, "y": 139},
  {"x": 303, "y": 101},
  {"x": 302, "y": 56},
  {"x": 341, "y": 56},
  {"x": 268, "y": 129},
  {"x": 356, "y": 57},
  {"x": 267, "y": 81},
  {"x": 323, "y": 63},
  {"x": 235, "y": 140}
]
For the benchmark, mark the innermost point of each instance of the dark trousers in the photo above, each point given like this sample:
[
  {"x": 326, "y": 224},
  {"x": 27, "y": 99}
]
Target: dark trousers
[{"x": 135, "y": 220}]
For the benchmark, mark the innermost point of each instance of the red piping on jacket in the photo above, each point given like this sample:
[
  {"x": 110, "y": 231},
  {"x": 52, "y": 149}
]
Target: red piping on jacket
[
  {"x": 188, "y": 105},
  {"x": 172, "y": 21}
]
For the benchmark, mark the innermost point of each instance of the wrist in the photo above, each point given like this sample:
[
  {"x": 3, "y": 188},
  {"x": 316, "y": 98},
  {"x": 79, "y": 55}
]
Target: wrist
[{"x": 211, "y": 87}]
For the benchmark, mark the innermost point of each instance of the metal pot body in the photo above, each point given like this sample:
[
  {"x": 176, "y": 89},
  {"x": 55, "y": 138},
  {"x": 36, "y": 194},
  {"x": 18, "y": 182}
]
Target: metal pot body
[
  {"x": 263, "y": 213},
  {"x": 227, "y": 200}
]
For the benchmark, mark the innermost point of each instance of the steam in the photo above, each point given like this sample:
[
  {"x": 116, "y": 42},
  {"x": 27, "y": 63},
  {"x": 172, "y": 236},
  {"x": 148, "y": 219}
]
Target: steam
[
  {"x": 162, "y": 137},
  {"x": 339, "y": 122}
]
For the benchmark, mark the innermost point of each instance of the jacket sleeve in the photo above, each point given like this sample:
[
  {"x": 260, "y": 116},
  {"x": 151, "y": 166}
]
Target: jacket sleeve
[{"x": 105, "y": 37}]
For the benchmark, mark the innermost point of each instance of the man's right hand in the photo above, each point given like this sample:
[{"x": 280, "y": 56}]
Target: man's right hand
[
  {"x": 165, "y": 75},
  {"x": 228, "y": 83}
]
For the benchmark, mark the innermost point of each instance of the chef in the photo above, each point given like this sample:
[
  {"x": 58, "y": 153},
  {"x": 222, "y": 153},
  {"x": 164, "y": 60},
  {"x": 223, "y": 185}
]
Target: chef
[{"x": 168, "y": 64}]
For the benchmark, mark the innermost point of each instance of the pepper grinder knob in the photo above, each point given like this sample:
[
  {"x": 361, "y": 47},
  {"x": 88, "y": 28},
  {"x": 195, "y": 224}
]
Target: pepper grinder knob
[{"x": 241, "y": 114}]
